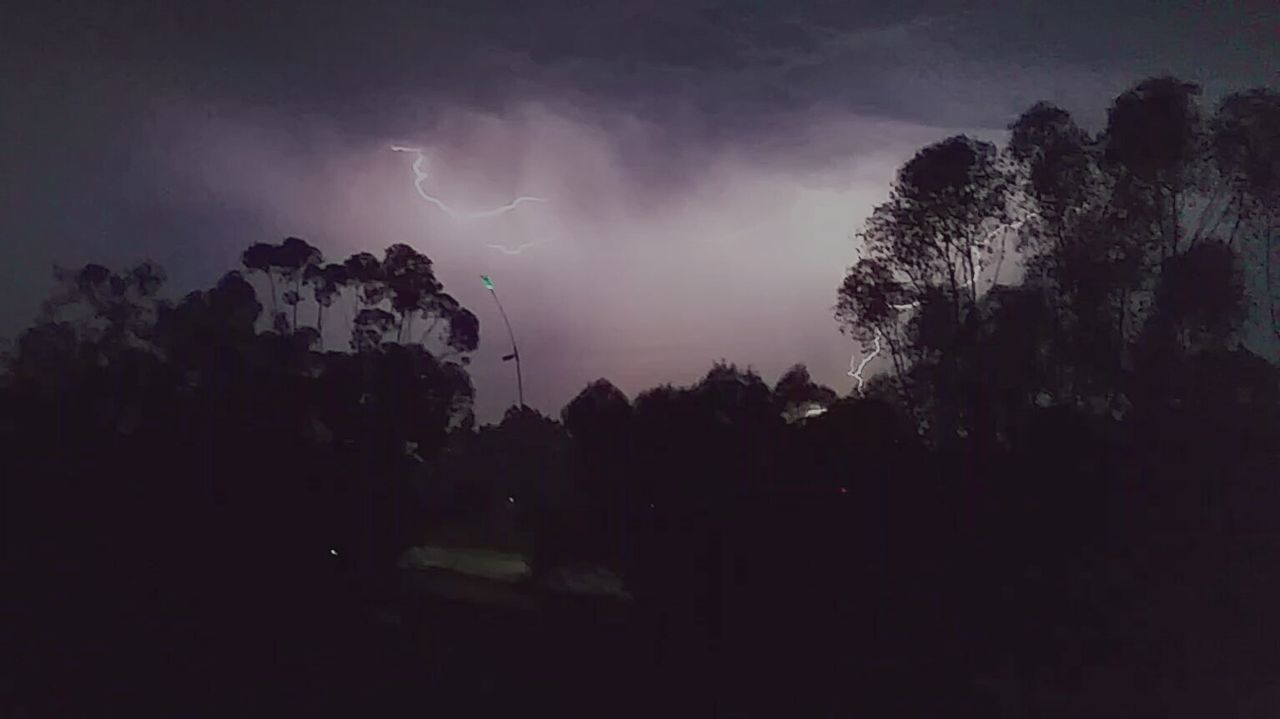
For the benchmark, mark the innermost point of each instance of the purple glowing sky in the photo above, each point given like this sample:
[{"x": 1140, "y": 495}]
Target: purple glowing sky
[{"x": 706, "y": 163}]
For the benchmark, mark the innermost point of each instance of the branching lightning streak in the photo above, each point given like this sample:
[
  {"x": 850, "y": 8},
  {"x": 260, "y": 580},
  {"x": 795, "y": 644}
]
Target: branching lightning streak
[
  {"x": 856, "y": 373},
  {"x": 514, "y": 250},
  {"x": 420, "y": 176},
  {"x": 986, "y": 243},
  {"x": 975, "y": 256}
]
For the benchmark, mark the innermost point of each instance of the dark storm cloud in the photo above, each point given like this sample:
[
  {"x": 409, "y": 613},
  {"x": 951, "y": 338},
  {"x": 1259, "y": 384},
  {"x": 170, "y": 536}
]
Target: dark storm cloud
[
  {"x": 741, "y": 67},
  {"x": 732, "y": 68}
]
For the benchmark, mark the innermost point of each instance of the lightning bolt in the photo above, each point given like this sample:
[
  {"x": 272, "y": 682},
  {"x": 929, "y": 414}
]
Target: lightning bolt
[
  {"x": 975, "y": 256},
  {"x": 514, "y": 250},
  {"x": 420, "y": 176},
  {"x": 856, "y": 373},
  {"x": 976, "y": 251}
]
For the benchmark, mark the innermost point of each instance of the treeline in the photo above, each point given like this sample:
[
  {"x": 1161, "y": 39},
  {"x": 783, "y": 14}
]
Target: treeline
[
  {"x": 1055, "y": 497},
  {"x": 202, "y": 490}
]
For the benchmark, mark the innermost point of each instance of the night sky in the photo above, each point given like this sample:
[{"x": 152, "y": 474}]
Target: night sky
[{"x": 705, "y": 163}]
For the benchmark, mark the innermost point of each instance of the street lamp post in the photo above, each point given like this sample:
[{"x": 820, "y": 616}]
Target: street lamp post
[{"x": 515, "y": 352}]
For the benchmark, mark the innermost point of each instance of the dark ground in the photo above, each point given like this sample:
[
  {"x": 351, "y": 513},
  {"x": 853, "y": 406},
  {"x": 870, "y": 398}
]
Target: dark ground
[{"x": 785, "y": 610}]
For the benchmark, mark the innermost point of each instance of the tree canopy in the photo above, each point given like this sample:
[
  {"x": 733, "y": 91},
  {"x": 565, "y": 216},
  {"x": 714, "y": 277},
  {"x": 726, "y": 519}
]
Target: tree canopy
[{"x": 1133, "y": 243}]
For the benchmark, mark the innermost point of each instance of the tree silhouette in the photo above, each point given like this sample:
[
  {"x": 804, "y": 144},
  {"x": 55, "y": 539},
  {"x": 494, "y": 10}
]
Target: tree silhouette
[
  {"x": 1246, "y": 143},
  {"x": 796, "y": 395},
  {"x": 1128, "y": 241},
  {"x": 923, "y": 251},
  {"x": 299, "y": 450},
  {"x": 327, "y": 283},
  {"x": 597, "y": 417}
]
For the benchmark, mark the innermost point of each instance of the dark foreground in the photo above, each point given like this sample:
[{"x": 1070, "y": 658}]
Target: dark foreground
[{"x": 785, "y": 608}]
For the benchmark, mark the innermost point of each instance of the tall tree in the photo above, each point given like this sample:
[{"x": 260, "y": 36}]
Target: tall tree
[
  {"x": 923, "y": 252},
  {"x": 1129, "y": 242},
  {"x": 1246, "y": 144},
  {"x": 1154, "y": 146},
  {"x": 326, "y": 282},
  {"x": 294, "y": 260},
  {"x": 411, "y": 281}
]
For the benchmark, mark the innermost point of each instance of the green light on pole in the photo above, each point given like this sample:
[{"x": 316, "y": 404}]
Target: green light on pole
[{"x": 515, "y": 353}]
